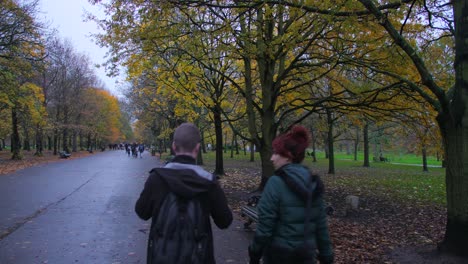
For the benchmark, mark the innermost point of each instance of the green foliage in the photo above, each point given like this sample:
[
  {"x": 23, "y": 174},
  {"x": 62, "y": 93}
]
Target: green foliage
[{"x": 5, "y": 126}]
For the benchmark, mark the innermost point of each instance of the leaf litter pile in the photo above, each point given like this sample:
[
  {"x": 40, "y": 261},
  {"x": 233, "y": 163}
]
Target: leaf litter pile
[{"x": 371, "y": 234}]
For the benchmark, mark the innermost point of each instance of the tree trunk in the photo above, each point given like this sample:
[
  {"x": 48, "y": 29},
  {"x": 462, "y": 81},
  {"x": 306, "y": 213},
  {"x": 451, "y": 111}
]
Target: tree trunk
[
  {"x": 225, "y": 143},
  {"x": 39, "y": 141},
  {"x": 424, "y": 159},
  {"x": 236, "y": 144},
  {"x": 268, "y": 67},
  {"x": 26, "y": 144},
  {"x": 252, "y": 152},
  {"x": 267, "y": 166},
  {"x": 331, "y": 154},
  {"x": 89, "y": 143},
  {"x": 15, "y": 138},
  {"x": 356, "y": 144},
  {"x": 365, "y": 134},
  {"x": 74, "y": 141},
  {"x": 244, "y": 147},
  {"x": 265, "y": 148},
  {"x": 232, "y": 147},
  {"x": 219, "y": 166},
  {"x": 95, "y": 142},
  {"x": 200, "y": 157},
  {"x": 249, "y": 95},
  {"x": 203, "y": 145},
  {"x": 314, "y": 145},
  {"x": 456, "y": 146},
  {"x": 65, "y": 140},
  {"x": 454, "y": 129},
  {"x": 80, "y": 139},
  {"x": 49, "y": 142},
  {"x": 326, "y": 147},
  {"x": 55, "y": 141},
  {"x": 65, "y": 131}
]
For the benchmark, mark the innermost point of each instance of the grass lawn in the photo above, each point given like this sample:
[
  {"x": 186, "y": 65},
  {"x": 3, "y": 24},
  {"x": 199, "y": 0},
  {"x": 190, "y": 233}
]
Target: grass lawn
[
  {"x": 397, "y": 181},
  {"x": 392, "y": 157},
  {"x": 405, "y": 183}
]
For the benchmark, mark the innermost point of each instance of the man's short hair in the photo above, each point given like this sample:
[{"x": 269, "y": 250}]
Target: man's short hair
[{"x": 186, "y": 137}]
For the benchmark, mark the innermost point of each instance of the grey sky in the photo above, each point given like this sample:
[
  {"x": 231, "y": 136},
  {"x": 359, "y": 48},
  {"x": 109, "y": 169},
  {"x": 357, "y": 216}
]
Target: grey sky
[{"x": 67, "y": 17}]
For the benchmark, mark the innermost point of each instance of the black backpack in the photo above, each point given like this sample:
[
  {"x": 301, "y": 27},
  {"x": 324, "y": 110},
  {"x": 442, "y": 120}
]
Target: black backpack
[{"x": 179, "y": 234}]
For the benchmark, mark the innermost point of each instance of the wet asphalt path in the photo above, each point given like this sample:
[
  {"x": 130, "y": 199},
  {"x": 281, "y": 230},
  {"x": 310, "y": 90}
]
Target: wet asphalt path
[
  {"x": 75, "y": 211},
  {"x": 82, "y": 211}
]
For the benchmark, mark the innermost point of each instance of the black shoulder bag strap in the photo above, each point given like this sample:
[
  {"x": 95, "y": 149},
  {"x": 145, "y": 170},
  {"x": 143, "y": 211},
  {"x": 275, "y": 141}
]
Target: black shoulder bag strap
[{"x": 311, "y": 185}]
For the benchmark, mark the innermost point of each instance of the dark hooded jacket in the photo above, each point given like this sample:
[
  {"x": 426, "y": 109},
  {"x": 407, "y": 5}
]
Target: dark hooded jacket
[
  {"x": 182, "y": 177},
  {"x": 280, "y": 234}
]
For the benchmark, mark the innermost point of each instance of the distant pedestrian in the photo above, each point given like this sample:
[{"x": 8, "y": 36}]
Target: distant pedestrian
[
  {"x": 134, "y": 150},
  {"x": 127, "y": 149},
  {"x": 141, "y": 149},
  {"x": 180, "y": 197},
  {"x": 292, "y": 224}
]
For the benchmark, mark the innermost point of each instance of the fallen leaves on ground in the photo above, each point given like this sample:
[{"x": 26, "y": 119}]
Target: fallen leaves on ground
[
  {"x": 7, "y": 165},
  {"x": 367, "y": 235}
]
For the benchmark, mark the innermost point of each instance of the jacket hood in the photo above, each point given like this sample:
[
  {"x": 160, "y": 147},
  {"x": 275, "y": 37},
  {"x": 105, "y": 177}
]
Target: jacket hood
[
  {"x": 298, "y": 172},
  {"x": 184, "y": 178},
  {"x": 300, "y": 177}
]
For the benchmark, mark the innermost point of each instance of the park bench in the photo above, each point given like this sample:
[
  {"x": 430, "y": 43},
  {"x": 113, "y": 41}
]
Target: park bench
[
  {"x": 64, "y": 155},
  {"x": 249, "y": 211},
  {"x": 381, "y": 159}
]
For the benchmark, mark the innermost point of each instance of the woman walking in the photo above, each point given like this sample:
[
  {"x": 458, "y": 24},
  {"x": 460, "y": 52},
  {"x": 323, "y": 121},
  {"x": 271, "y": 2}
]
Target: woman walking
[{"x": 292, "y": 226}]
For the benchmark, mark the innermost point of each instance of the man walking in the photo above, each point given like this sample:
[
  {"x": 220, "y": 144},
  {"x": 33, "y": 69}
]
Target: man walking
[{"x": 180, "y": 198}]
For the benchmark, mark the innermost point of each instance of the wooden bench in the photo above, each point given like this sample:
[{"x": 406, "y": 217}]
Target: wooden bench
[
  {"x": 249, "y": 211},
  {"x": 64, "y": 155},
  {"x": 381, "y": 159}
]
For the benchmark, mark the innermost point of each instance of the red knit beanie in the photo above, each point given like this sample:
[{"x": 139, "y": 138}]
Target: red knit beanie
[{"x": 292, "y": 144}]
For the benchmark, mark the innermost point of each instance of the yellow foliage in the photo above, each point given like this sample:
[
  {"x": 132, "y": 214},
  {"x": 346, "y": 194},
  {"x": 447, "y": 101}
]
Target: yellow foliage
[
  {"x": 101, "y": 112},
  {"x": 31, "y": 101}
]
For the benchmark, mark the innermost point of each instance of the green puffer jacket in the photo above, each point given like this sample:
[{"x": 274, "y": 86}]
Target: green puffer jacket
[{"x": 281, "y": 212}]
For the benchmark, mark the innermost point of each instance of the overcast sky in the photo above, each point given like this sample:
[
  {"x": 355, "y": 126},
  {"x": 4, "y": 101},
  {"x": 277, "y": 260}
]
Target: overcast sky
[{"x": 67, "y": 17}]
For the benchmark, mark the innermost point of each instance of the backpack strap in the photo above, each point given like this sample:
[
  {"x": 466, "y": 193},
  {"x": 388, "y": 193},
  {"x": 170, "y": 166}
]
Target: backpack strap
[{"x": 308, "y": 211}]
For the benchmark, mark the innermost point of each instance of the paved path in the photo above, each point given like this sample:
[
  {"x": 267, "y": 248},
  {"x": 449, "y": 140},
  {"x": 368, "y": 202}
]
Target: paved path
[
  {"x": 231, "y": 244},
  {"x": 81, "y": 211}
]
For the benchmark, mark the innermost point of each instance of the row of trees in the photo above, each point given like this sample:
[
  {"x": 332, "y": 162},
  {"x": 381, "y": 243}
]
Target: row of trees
[
  {"x": 262, "y": 66},
  {"x": 49, "y": 93}
]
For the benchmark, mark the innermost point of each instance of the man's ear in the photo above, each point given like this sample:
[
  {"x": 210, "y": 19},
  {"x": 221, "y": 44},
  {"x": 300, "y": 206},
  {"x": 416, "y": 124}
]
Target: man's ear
[
  {"x": 173, "y": 147},
  {"x": 197, "y": 149}
]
